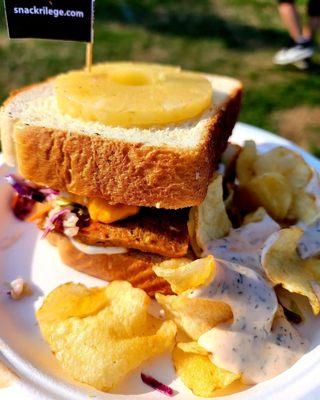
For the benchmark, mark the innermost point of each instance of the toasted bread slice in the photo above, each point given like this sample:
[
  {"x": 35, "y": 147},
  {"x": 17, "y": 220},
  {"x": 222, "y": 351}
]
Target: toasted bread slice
[
  {"x": 134, "y": 266},
  {"x": 164, "y": 167}
]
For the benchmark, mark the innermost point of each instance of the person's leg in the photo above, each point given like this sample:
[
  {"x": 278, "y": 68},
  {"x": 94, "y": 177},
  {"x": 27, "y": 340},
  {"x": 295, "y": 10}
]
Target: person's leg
[
  {"x": 313, "y": 19},
  {"x": 301, "y": 47},
  {"x": 291, "y": 20}
]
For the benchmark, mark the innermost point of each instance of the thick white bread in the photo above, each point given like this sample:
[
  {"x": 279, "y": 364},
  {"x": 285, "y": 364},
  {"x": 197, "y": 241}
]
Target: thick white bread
[{"x": 167, "y": 167}]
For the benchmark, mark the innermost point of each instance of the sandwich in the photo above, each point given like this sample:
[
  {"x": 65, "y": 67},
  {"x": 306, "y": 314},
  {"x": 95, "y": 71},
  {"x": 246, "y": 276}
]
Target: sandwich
[{"x": 110, "y": 162}]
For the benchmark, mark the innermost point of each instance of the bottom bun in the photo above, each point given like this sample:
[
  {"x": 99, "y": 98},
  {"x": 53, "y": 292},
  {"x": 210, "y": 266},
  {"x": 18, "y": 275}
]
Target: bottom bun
[{"x": 134, "y": 266}]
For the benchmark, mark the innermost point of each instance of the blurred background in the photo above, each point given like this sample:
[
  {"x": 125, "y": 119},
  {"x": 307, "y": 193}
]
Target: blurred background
[{"x": 231, "y": 37}]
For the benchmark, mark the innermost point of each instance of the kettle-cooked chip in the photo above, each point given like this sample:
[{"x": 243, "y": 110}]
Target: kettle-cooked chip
[
  {"x": 192, "y": 347},
  {"x": 286, "y": 162},
  {"x": 194, "y": 316},
  {"x": 272, "y": 192},
  {"x": 257, "y": 216},
  {"x": 245, "y": 162},
  {"x": 277, "y": 180},
  {"x": 199, "y": 374},
  {"x": 306, "y": 202},
  {"x": 69, "y": 300},
  {"x": 184, "y": 274},
  {"x": 209, "y": 220},
  {"x": 304, "y": 207},
  {"x": 283, "y": 266},
  {"x": 102, "y": 334}
]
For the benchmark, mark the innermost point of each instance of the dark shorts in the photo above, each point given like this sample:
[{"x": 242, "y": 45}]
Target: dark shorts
[{"x": 313, "y": 6}]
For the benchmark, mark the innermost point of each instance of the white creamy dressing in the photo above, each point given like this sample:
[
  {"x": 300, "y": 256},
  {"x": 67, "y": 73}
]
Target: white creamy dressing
[
  {"x": 85, "y": 248},
  {"x": 248, "y": 345},
  {"x": 243, "y": 245},
  {"x": 309, "y": 243}
]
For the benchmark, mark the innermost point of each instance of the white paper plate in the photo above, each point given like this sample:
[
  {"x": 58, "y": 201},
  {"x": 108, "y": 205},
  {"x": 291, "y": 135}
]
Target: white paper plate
[{"x": 22, "y": 348}]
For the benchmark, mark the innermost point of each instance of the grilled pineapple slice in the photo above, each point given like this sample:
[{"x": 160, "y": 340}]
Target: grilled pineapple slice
[{"x": 133, "y": 94}]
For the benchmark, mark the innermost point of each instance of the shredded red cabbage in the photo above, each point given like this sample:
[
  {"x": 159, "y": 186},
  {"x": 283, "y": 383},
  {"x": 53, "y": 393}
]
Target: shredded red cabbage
[
  {"x": 161, "y": 387},
  {"x": 49, "y": 193},
  {"x": 56, "y": 219},
  {"x": 30, "y": 191},
  {"x": 22, "y": 207}
]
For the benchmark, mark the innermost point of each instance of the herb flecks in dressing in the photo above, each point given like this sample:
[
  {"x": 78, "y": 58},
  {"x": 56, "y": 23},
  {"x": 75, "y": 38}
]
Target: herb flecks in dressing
[
  {"x": 243, "y": 245},
  {"x": 259, "y": 343}
]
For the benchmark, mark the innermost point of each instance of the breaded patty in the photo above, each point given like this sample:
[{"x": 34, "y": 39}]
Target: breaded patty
[{"x": 162, "y": 232}]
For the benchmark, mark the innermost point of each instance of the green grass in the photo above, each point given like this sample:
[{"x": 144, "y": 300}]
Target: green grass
[{"x": 232, "y": 37}]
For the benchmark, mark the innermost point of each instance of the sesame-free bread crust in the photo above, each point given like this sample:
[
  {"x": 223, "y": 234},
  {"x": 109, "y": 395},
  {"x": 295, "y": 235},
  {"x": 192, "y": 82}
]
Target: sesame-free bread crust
[
  {"x": 134, "y": 266},
  {"x": 122, "y": 171}
]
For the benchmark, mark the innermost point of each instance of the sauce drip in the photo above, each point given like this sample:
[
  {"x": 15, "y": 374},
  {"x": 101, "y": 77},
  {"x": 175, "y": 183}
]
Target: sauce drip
[
  {"x": 243, "y": 245},
  {"x": 259, "y": 343},
  {"x": 87, "y": 249}
]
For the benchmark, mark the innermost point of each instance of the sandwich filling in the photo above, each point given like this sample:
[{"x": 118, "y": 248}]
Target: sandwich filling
[{"x": 95, "y": 227}]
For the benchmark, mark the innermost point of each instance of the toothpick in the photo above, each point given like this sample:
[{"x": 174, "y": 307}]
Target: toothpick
[{"x": 89, "y": 56}]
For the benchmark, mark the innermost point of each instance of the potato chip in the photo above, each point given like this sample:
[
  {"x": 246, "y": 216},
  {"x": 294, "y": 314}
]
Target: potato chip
[
  {"x": 209, "y": 220},
  {"x": 304, "y": 208},
  {"x": 102, "y": 334},
  {"x": 194, "y": 316},
  {"x": 283, "y": 265},
  {"x": 199, "y": 374},
  {"x": 276, "y": 180},
  {"x": 306, "y": 202},
  {"x": 245, "y": 163},
  {"x": 272, "y": 192},
  {"x": 259, "y": 215},
  {"x": 287, "y": 163},
  {"x": 184, "y": 274},
  {"x": 192, "y": 347},
  {"x": 69, "y": 300}
]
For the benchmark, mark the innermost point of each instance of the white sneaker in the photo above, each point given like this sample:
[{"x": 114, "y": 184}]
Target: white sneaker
[
  {"x": 303, "y": 65},
  {"x": 293, "y": 54}
]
